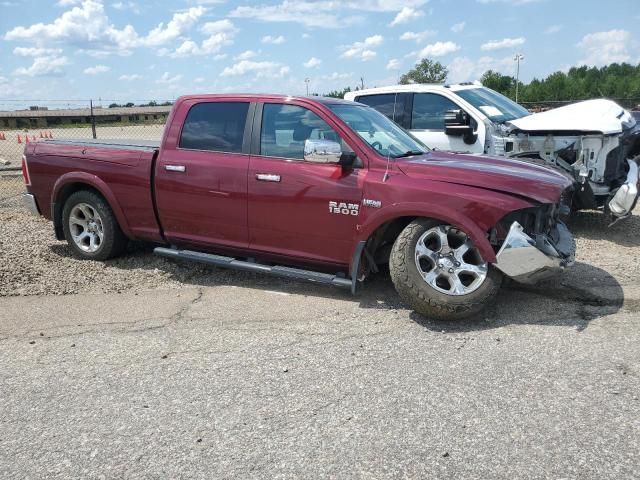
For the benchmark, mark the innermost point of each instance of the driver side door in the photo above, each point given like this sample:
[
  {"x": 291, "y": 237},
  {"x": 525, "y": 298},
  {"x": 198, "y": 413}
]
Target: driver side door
[{"x": 300, "y": 209}]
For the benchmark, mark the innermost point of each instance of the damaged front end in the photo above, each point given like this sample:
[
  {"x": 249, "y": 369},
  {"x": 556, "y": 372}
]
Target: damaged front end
[
  {"x": 536, "y": 246},
  {"x": 595, "y": 143}
]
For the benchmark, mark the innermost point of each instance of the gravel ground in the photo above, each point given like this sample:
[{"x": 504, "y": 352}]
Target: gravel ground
[{"x": 34, "y": 263}]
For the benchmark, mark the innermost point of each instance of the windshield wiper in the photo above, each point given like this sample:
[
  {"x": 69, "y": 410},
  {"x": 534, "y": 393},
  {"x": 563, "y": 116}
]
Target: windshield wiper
[{"x": 409, "y": 153}]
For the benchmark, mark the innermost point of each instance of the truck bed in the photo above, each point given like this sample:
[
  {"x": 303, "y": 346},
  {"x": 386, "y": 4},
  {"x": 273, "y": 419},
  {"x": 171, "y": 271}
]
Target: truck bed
[
  {"x": 121, "y": 169},
  {"x": 122, "y": 143}
]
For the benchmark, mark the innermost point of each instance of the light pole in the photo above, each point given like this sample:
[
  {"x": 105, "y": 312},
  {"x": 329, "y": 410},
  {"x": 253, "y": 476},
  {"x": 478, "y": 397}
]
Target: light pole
[
  {"x": 306, "y": 80},
  {"x": 517, "y": 59}
]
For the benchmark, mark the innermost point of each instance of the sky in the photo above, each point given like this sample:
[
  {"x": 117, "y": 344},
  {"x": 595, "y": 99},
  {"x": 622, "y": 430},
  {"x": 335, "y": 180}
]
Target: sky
[{"x": 135, "y": 50}]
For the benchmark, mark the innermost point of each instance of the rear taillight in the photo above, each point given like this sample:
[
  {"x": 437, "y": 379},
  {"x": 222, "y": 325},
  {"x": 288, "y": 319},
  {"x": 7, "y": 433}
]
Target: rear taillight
[{"x": 25, "y": 171}]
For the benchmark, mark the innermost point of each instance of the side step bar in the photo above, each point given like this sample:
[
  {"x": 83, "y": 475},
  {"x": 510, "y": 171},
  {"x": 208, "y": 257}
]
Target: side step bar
[{"x": 230, "y": 262}]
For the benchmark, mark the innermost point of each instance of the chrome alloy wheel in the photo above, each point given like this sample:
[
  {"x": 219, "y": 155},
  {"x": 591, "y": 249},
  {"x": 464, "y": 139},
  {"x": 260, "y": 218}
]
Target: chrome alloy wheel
[
  {"x": 449, "y": 262},
  {"x": 86, "y": 227}
]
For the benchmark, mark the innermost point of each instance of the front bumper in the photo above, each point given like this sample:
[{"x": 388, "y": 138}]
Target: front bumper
[
  {"x": 29, "y": 202},
  {"x": 526, "y": 260},
  {"x": 625, "y": 198}
]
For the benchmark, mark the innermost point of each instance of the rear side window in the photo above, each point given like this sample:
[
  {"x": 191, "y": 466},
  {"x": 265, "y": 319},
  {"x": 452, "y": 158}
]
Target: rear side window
[
  {"x": 383, "y": 103},
  {"x": 285, "y": 128},
  {"x": 428, "y": 111},
  {"x": 217, "y": 126}
]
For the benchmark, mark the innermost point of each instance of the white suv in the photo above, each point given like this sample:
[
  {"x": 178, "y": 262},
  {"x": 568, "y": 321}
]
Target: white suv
[{"x": 596, "y": 142}]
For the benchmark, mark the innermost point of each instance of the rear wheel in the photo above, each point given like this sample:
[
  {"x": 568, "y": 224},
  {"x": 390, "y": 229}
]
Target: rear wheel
[
  {"x": 91, "y": 228},
  {"x": 439, "y": 272}
]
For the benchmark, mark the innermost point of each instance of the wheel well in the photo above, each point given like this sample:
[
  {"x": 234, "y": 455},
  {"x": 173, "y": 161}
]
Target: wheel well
[
  {"x": 381, "y": 240},
  {"x": 62, "y": 197}
]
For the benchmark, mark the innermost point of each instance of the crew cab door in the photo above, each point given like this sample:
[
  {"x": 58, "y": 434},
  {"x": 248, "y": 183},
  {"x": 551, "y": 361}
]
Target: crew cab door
[
  {"x": 298, "y": 209},
  {"x": 201, "y": 174}
]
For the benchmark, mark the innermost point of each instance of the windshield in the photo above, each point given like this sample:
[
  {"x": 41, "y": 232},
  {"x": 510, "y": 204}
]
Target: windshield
[
  {"x": 384, "y": 136},
  {"x": 494, "y": 105}
]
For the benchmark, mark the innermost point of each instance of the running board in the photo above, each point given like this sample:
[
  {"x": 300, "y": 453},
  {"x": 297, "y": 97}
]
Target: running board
[{"x": 233, "y": 263}]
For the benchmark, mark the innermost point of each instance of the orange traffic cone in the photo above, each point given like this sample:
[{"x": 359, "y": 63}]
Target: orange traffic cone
[
  {"x": 2, "y": 137},
  {"x": 19, "y": 139},
  {"x": 50, "y": 135},
  {"x": 26, "y": 138},
  {"x": 41, "y": 136}
]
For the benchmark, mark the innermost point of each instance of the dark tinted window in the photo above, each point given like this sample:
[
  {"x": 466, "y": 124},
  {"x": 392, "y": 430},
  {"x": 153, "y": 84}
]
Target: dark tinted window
[
  {"x": 215, "y": 126},
  {"x": 383, "y": 103},
  {"x": 286, "y": 127},
  {"x": 428, "y": 111}
]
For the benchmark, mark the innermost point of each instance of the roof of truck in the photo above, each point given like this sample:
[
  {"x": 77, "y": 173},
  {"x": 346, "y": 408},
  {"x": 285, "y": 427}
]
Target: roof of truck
[
  {"x": 264, "y": 96},
  {"x": 413, "y": 87}
]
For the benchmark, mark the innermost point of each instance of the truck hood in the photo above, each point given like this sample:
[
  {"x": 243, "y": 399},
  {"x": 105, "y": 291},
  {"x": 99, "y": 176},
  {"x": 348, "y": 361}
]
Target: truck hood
[
  {"x": 516, "y": 177},
  {"x": 599, "y": 115}
]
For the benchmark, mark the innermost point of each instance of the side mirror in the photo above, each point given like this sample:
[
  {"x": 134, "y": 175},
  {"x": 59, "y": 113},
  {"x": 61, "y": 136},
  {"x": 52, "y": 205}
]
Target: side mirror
[
  {"x": 327, "y": 151},
  {"x": 458, "y": 123}
]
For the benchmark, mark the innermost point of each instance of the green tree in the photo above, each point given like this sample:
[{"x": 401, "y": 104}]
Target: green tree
[
  {"x": 498, "y": 82},
  {"x": 338, "y": 93},
  {"x": 425, "y": 71}
]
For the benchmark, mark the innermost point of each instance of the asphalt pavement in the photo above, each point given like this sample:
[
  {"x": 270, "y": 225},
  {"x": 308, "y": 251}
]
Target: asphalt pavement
[{"x": 302, "y": 381}]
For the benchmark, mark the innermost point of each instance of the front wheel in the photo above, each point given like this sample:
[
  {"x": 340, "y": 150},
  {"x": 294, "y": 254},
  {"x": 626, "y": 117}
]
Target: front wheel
[
  {"x": 91, "y": 228},
  {"x": 439, "y": 272}
]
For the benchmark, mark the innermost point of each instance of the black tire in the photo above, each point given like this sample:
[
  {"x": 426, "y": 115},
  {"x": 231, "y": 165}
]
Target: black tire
[
  {"x": 114, "y": 242},
  {"x": 421, "y": 296}
]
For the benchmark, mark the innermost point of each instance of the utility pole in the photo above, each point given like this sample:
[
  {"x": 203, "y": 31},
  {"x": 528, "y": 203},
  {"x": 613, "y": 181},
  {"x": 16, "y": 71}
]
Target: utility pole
[
  {"x": 361, "y": 83},
  {"x": 306, "y": 80},
  {"x": 93, "y": 120},
  {"x": 517, "y": 59}
]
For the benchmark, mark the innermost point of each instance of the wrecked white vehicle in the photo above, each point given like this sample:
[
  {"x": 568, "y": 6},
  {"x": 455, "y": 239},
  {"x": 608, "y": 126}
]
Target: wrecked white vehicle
[{"x": 595, "y": 142}]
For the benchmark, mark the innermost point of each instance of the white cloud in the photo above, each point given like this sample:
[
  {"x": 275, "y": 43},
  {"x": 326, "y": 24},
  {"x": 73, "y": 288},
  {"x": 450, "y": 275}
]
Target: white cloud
[
  {"x": 198, "y": 80},
  {"x": 36, "y": 51},
  {"x": 337, "y": 76},
  {"x": 177, "y": 26},
  {"x": 418, "y": 36},
  {"x": 130, "y": 6},
  {"x": 510, "y": 2},
  {"x": 550, "y": 30},
  {"x": 67, "y": 3},
  {"x": 167, "y": 79},
  {"x": 273, "y": 40},
  {"x": 406, "y": 15},
  {"x": 458, "y": 27},
  {"x": 362, "y": 50},
  {"x": 602, "y": 48},
  {"x": 96, "y": 70},
  {"x": 130, "y": 78},
  {"x": 84, "y": 25},
  {"x": 393, "y": 64},
  {"x": 438, "y": 49},
  {"x": 246, "y": 55},
  {"x": 221, "y": 33},
  {"x": 259, "y": 69},
  {"x": 321, "y": 13},
  {"x": 43, "y": 66},
  {"x": 463, "y": 69},
  {"x": 313, "y": 62},
  {"x": 504, "y": 43}
]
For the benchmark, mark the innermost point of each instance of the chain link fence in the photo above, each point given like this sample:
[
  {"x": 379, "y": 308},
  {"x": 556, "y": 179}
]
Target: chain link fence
[{"x": 65, "y": 120}]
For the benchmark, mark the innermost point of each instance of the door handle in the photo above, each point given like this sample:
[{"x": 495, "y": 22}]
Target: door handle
[
  {"x": 175, "y": 168},
  {"x": 267, "y": 177}
]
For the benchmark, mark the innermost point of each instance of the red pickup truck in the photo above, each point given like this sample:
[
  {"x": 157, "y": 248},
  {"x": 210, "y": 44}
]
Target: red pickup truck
[{"x": 312, "y": 188}]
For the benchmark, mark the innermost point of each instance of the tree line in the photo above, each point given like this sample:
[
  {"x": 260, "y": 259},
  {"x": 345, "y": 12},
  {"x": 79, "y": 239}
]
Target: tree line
[{"x": 619, "y": 81}]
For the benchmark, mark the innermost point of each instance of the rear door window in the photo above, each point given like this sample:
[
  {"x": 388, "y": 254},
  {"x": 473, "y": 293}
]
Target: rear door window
[
  {"x": 216, "y": 126},
  {"x": 384, "y": 103},
  {"x": 429, "y": 110}
]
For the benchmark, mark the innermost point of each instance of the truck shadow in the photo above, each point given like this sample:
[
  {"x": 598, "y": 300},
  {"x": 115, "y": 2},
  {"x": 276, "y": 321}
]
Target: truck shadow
[
  {"x": 595, "y": 226},
  {"x": 580, "y": 295}
]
